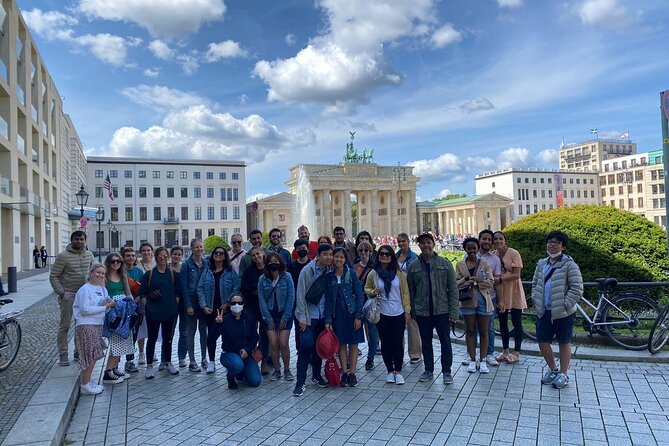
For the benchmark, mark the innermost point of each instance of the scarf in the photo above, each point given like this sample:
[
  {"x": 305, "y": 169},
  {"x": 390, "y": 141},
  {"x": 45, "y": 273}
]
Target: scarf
[{"x": 387, "y": 276}]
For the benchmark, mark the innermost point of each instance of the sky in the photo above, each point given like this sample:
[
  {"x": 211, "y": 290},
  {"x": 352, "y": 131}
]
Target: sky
[{"x": 452, "y": 87}]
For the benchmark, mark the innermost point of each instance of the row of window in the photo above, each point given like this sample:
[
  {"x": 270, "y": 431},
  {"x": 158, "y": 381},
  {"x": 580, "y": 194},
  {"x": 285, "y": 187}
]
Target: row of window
[
  {"x": 549, "y": 180},
  {"x": 225, "y": 193},
  {"x": 621, "y": 177},
  {"x": 536, "y": 208},
  {"x": 524, "y": 194},
  {"x": 169, "y": 174},
  {"x": 171, "y": 213},
  {"x": 171, "y": 237}
]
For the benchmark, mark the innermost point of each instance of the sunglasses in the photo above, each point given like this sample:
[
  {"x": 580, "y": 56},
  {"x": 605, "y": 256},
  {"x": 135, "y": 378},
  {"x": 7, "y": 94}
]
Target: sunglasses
[
  {"x": 236, "y": 243},
  {"x": 219, "y": 253},
  {"x": 115, "y": 261},
  {"x": 363, "y": 250},
  {"x": 384, "y": 254}
]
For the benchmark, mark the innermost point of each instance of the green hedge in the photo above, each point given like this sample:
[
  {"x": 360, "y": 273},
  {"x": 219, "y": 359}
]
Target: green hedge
[
  {"x": 604, "y": 242},
  {"x": 214, "y": 241}
]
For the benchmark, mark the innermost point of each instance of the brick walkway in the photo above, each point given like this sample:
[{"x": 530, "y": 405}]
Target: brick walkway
[{"x": 605, "y": 403}]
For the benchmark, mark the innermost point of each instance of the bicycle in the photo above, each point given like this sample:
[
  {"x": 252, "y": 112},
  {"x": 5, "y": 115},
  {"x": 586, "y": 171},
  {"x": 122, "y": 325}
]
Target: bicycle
[
  {"x": 10, "y": 336},
  {"x": 659, "y": 334}
]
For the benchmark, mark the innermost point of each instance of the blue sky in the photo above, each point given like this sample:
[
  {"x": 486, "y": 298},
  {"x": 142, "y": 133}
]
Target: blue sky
[{"x": 452, "y": 87}]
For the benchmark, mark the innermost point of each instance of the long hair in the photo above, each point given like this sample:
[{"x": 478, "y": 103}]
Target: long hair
[
  {"x": 393, "y": 258},
  {"x": 282, "y": 265},
  {"x": 226, "y": 259},
  {"x": 123, "y": 274}
]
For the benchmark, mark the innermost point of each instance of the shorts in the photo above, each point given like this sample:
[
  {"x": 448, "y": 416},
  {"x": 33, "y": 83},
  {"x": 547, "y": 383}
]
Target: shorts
[
  {"x": 560, "y": 329},
  {"x": 276, "y": 317},
  {"x": 480, "y": 309}
]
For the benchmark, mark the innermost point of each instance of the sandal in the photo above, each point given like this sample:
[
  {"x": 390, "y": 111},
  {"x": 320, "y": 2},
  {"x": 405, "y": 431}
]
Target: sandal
[
  {"x": 512, "y": 359},
  {"x": 502, "y": 358}
]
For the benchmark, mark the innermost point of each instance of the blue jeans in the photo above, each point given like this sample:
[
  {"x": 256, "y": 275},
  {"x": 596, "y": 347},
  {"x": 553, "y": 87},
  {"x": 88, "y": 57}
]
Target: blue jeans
[
  {"x": 237, "y": 366},
  {"x": 373, "y": 340}
]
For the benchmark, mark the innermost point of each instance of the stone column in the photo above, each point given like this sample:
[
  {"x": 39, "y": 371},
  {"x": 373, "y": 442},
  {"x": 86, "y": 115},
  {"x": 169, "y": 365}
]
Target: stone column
[
  {"x": 373, "y": 213},
  {"x": 411, "y": 213},
  {"x": 346, "y": 211},
  {"x": 326, "y": 221}
]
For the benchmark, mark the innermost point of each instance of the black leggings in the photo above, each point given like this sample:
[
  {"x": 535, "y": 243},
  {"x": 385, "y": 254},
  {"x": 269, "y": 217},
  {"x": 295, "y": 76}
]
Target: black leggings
[
  {"x": 168, "y": 333},
  {"x": 391, "y": 334},
  {"x": 517, "y": 328}
]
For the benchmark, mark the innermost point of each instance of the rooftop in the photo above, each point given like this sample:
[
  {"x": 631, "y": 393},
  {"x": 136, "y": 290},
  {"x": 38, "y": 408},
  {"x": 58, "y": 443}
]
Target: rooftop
[{"x": 162, "y": 161}]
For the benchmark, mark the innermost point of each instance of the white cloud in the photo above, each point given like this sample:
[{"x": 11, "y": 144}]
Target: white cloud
[
  {"x": 509, "y": 3},
  {"x": 110, "y": 49},
  {"x": 258, "y": 196},
  {"x": 548, "y": 156},
  {"x": 162, "y": 98},
  {"x": 161, "y": 50},
  {"x": 224, "y": 50},
  {"x": 606, "y": 13},
  {"x": 340, "y": 67},
  {"x": 442, "y": 193},
  {"x": 480, "y": 163},
  {"x": 476, "y": 105},
  {"x": 197, "y": 132},
  {"x": 445, "y": 35},
  {"x": 152, "y": 72},
  {"x": 514, "y": 157},
  {"x": 243, "y": 99},
  {"x": 162, "y": 18},
  {"x": 52, "y": 25},
  {"x": 445, "y": 167},
  {"x": 290, "y": 39},
  {"x": 189, "y": 62}
]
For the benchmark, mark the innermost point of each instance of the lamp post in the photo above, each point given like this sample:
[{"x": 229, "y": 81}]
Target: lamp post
[
  {"x": 82, "y": 199},
  {"x": 114, "y": 231},
  {"x": 109, "y": 229},
  {"x": 99, "y": 217}
]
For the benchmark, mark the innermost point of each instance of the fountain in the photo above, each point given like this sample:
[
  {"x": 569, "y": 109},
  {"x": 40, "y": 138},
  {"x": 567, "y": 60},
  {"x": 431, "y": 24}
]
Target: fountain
[{"x": 303, "y": 212}]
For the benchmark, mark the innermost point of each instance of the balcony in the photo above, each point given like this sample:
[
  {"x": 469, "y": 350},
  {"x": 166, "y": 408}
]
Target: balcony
[{"x": 171, "y": 221}]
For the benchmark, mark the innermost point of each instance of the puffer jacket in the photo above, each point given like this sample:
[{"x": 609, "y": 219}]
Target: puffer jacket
[
  {"x": 229, "y": 282},
  {"x": 566, "y": 287},
  {"x": 69, "y": 272},
  {"x": 284, "y": 293}
]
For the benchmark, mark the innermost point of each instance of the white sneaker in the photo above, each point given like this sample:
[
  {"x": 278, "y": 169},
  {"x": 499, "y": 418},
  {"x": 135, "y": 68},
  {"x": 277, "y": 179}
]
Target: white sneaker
[
  {"x": 90, "y": 389},
  {"x": 162, "y": 366},
  {"x": 465, "y": 361},
  {"x": 399, "y": 379},
  {"x": 490, "y": 359},
  {"x": 483, "y": 367},
  {"x": 171, "y": 369},
  {"x": 473, "y": 365},
  {"x": 390, "y": 378},
  {"x": 204, "y": 363},
  {"x": 150, "y": 372},
  {"x": 211, "y": 367},
  {"x": 183, "y": 363},
  {"x": 96, "y": 386},
  {"x": 141, "y": 360}
]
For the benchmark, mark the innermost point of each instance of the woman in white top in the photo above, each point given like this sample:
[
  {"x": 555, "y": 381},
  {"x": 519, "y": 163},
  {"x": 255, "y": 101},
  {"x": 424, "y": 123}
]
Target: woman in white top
[
  {"x": 89, "y": 308},
  {"x": 388, "y": 283}
]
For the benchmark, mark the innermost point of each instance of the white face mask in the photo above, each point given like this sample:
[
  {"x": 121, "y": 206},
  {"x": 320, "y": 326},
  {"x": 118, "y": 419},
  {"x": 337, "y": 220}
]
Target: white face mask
[
  {"x": 236, "y": 308},
  {"x": 554, "y": 255}
]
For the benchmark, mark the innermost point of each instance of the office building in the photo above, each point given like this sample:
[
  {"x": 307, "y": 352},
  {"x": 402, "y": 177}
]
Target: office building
[{"x": 588, "y": 156}]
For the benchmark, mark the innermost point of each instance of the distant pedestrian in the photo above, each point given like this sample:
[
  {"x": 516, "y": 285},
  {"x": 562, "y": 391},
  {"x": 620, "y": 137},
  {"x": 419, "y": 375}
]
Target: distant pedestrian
[
  {"x": 44, "y": 255},
  {"x": 36, "y": 257},
  {"x": 557, "y": 286},
  {"x": 2, "y": 289},
  {"x": 90, "y": 305}
]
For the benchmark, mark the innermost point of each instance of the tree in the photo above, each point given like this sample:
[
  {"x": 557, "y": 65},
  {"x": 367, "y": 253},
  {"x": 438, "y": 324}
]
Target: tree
[
  {"x": 451, "y": 196},
  {"x": 604, "y": 242},
  {"x": 214, "y": 241}
]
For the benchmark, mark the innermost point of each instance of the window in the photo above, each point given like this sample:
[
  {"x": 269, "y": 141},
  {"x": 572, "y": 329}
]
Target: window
[
  {"x": 224, "y": 212},
  {"x": 592, "y": 194},
  {"x": 113, "y": 173},
  {"x": 564, "y": 181},
  {"x": 578, "y": 181},
  {"x": 156, "y": 174},
  {"x": 520, "y": 194},
  {"x": 571, "y": 193},
  {"x": 640, "y": 202},
  {"x": 98, "y": 192},
  {"x": 115, "y": 191},
  {"x": 184, "y": 192},
  {"x": 630, "y": 203},
  {"x": 534, "y": 193},
  {"x": 235, "y": 176},
  {"x": 612, "y": 190},
  {"x": 550, "y": 180},
  {"x": 198, "y": 233},
  {"x": 518, "y": 180},
  {"x": 620, "y": 190},
  {"x": 550, "y": 206},
  {"x": 114, "y": 213},
  {"x": 141, "y": 174},
  {"x": 184, "y": 212},
  {"x": 170, "y": 192},
  {"x": 550, "y": 193},
  {"x": 235, "y": 194},
  {"x": 157, "y": 237},
  {"x": 527, "y": 209},
  {"x": 196, "y": 175},
  {"x": 210, "y": 175},
  {"x": 98, "y": 173},
  {"x": 493, "y": 184},
  {"x": 534, "y": 180},
  {"x": 603, "y": 181},
  {"x": 603, "y": 192},
  {"x": 210, "y": 213},
  {"x": 221, "y": 175},
  {"x": 638, "y": 175},
  {"x": 142, "y": 191},
  {"x": 198, "y": 212},
  {"x": 578, "y": 194},
  {"x": 543, "y": 193},
  {"x": 169, "y": 174},
  {"x": 229, "y": 194},
  {"x": 156, "y": 192},
  {"x": 225, "y": 234},
  {"x": 541, "y": 180},
  {"x": 222, "y": 194},
  {"x": 197, "y": 192},
  {"x": 527, "y": 180},
  {"x": 211, "y": 232},
  {"x": 210, "y": 192},
  {"x": 592, "y": 181},
  {"x": 543, "y": 207},
  {"x": 171, "y": 215},
  {"x": 235, "y": 213},
  {"x": 143, "y": 213},
  {"x": 183, "y": 175},
  {"x": 128, "y": 213},
  {"x": 536, "y": 208},
  {"x": 157, "y": 216},
  {"x": 127, "y": 174},
  {"x": 128, "y": 192}
]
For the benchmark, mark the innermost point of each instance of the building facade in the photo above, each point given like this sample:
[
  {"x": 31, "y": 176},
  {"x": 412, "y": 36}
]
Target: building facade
[
  {"x": 588, "y": 156},
  {"x": 464, "y": 215},
  {"x": 34, "y": 174},
  {"x": 535, "y": 190},
  {"x": 164, "y": 202}
]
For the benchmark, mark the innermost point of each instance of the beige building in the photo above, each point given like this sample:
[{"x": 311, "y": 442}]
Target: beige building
[
  {"x": 466, "y": 215},
  {"x": 275, "y": 211},
  {"x": 35, "y": 156},
  {"x": 588, "y": 156}
]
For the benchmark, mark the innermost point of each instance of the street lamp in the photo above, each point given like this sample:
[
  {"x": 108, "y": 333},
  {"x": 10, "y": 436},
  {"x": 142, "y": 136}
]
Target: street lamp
[
  {"x": 109, "y": 229},
  {"x": 115, "y": 232},
  {"x": 82, "y": 199},
  {"x": 99, "y": 217}
]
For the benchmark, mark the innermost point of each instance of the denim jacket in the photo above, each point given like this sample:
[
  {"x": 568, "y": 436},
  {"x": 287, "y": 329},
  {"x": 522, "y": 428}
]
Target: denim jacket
[
  {"x": 284, "y": 293},
  {"x": 352, "y": 289},
  {"x": 190, "y": 277},
  {"x": 230, "y": 284}
]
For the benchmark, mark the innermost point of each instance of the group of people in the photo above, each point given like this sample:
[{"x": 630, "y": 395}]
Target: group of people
[
  {"x": 251, "y": 300},
  {"x": 40, "y": 257}
]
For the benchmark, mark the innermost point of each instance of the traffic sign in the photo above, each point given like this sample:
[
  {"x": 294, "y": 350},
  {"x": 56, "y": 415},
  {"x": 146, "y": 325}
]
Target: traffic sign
[{"x": 83, "y": 222}]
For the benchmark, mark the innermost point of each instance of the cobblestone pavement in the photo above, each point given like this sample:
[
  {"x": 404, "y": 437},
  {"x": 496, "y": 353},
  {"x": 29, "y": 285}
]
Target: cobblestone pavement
[
  {"x": 605, "y": 403},
  {"x": 37, "y": 354}
]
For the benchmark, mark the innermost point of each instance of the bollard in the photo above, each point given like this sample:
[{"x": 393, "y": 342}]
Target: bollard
[{"x": 11, "y": 279}]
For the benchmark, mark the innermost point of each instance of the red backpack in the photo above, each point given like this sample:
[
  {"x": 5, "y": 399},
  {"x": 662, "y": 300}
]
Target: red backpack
[{"x": 332, "y": 372}]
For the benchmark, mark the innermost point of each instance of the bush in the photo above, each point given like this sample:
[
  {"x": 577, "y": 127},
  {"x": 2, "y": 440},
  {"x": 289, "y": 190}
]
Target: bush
[
  {"x": 214, "y": 241},
  {"x": 604, "y": 242}
]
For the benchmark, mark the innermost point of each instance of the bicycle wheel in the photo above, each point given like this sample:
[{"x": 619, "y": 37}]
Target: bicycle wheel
[
  {"x": 659, "y": 334},
  {"x": 10, "y": 340},
  {"x": 630, "y": 318}
]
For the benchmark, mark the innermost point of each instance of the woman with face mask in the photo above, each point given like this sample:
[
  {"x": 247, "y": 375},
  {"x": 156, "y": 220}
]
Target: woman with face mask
[
  {"x": 239, "y": 337},
  {"x": 276, "y": 296}
]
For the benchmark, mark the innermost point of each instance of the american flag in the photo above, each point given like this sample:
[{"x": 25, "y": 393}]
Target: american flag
[{"x": 108, "y": 186}]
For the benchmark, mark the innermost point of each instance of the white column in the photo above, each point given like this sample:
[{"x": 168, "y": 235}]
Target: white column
[
  {"x": 374, "y": 213},
  {"x": 346, "y": 211}
]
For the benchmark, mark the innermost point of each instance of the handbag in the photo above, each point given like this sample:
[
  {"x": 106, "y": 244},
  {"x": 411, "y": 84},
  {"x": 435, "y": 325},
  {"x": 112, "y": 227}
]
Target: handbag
[
  {"x": 466, "y": 293},
  {"x": 332, "y": 372},
  {"x": 372, "y": 310}
]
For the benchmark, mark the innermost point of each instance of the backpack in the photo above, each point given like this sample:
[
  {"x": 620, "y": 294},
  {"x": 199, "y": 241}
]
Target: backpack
[
  {"x": 332, "y": 372},
  {"x": 317, "y": 289}
]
